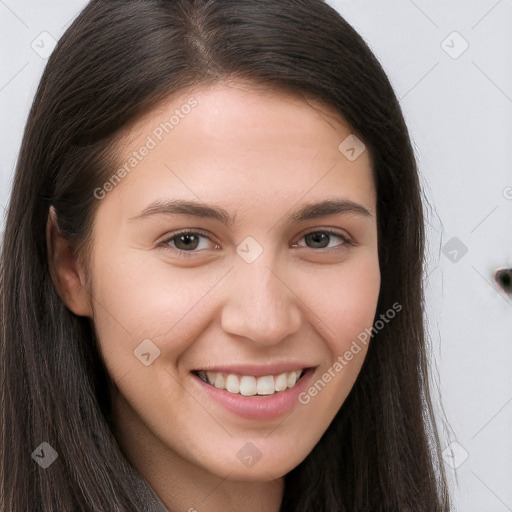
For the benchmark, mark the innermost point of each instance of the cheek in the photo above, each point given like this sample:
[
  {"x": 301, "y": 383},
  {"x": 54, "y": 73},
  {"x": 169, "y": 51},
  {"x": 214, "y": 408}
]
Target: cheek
[
  {"x": 347, "y": 306},
  {"x": 357, "y": 301},
  {"x": 138, "y": 297},
  {"x": 346, "y": 300}
]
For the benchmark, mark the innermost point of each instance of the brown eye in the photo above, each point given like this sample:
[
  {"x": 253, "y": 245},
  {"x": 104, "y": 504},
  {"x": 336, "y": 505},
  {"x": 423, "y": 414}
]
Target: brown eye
[
  {"x": 187, "y": 243},
  {"x": 321, "y": 239}
]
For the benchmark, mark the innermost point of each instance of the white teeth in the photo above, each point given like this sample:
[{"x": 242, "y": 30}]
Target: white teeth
[
  {"x": 248, "y": 385},
  {"x": 281, "y": 382},
  {"x": 265, "y": 385},
  {"x": 233, "y": 384},
  {"x": 292, "y": 379},
  {"x": 219, "y": 381}
]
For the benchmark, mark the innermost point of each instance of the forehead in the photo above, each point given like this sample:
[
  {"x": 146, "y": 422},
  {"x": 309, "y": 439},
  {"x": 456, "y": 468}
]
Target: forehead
[{"x": 223, "y": 140}]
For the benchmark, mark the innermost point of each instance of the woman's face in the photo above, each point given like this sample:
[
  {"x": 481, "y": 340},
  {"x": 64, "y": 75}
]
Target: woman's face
[{"x": 214, "y": 257}]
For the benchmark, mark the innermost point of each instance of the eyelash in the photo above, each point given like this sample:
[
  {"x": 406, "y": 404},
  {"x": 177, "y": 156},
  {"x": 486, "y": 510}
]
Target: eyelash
[{"x": 192, "y": 253}]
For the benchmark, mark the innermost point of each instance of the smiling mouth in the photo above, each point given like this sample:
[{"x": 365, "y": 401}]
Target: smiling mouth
[{"x": 248, "y": 385}]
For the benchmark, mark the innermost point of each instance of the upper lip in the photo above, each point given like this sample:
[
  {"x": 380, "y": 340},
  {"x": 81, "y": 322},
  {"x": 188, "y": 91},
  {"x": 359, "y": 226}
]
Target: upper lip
[{"x": 256, "y": 370}]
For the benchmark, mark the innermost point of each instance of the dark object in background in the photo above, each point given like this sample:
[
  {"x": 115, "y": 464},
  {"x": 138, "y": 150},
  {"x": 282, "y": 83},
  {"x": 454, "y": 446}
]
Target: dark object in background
[{"x": 504, "y": 279}]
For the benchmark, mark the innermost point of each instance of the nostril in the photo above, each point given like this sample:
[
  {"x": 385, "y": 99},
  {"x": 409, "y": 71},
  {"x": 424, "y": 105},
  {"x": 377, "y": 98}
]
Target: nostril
[{"x": 504, "y": 279}]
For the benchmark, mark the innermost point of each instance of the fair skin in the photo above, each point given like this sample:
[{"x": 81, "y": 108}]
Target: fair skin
[{"x": 261, "y": 156}]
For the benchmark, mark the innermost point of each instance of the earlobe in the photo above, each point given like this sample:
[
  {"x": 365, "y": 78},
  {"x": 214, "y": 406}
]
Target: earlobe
[{"x": 67, "y": 272}]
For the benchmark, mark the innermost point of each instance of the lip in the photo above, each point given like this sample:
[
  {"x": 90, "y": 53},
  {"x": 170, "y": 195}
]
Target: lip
[{"x": 257, "y": 407}]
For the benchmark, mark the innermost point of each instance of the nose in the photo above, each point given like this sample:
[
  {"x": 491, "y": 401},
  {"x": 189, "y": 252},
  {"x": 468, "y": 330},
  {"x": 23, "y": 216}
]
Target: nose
[{"x": 262, "y": 306}]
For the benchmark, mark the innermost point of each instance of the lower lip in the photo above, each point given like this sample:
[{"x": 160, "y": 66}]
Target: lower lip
[{"x": 258, "y": 407}]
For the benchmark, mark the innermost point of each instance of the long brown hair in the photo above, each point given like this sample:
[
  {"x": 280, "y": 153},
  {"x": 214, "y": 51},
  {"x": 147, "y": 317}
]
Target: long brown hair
[{"x": 118, "y": 60}]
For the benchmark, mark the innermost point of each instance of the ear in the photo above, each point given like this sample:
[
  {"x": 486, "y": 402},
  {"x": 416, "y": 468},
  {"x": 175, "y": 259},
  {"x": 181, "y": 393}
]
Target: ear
[{"x": 66, "y": 270}]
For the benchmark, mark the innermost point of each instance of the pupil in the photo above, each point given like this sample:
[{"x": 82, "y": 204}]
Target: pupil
[
  {"x": 317, "y": 238},
  {"x": 186, "y": 244}
]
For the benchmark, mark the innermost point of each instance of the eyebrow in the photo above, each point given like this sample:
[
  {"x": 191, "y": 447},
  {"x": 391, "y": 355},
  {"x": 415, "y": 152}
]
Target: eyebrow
[{"x": 203, "y": 210}]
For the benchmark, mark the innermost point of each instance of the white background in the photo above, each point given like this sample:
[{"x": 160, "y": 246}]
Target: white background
[{"x": 458, "y": 107}]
